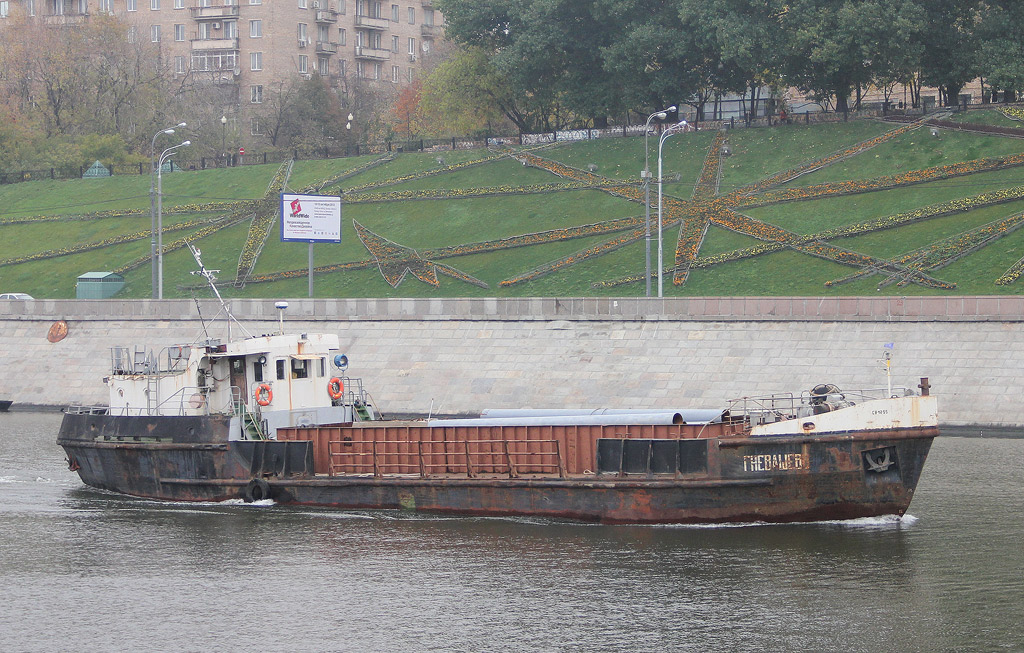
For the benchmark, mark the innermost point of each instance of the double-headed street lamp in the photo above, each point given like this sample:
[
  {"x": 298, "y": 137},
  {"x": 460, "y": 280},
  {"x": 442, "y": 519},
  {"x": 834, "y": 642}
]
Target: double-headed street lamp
[
  {"x": 152, "y": 203},
  {"x": 646, "y": 174},
  {"x": 671, "y": 131},
  {"x": 164, "y": 156}
]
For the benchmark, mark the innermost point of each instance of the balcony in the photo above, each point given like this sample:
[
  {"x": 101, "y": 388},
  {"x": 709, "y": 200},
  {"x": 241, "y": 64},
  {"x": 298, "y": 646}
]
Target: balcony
[
  {"x": 326, "y": 16},
  {"x": 368, "y": 22},
  {"x": 214, "y": 44},
  {"x": 427, "y": 4},
  {"x": 65, "y": 20},
  {"x": 431, "y": 31},
  {"x": 376, "y": 54},
  {"x": 326, "y": 47},
  {"x": 214, "y": 13}
]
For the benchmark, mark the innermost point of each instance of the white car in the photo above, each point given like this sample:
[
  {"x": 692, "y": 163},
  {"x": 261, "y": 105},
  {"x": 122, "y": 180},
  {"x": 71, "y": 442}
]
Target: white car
[{"x": 15, "y": 295}]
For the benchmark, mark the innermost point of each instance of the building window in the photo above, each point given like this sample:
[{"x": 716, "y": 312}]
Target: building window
[
  {"x": 394, "y": 74},
  {"x": 231, "y": 29},
  {"x": 255, "y": 61},
  {"x": 412, "y": 15},
  {"x": 256, "y": 94},
  {"x": 360, "y": 69},
  {"x": 179, "y": 64},
  {"x": 130, "y": 5},
  {"x": 255, "y": 29},
  {"x": 412, "y": 46},
  {"x": 409, "y": 74},
  {"x": 154, "y": 5},
  {"x": 303, "y": 4},
  {"x": 341, "y": 6},
  {"x": 376, "y": 71},
  {"x": 179, "y": 32},
  {"x": 5, "y": 9},
  {"x": 302, "y": 33},
  {"x": 255, "y": 2},
  {"x": 154, "y": 33},
  {"x": 179, "y": 4},
  {"x": 428, "y": 16},
  {"x": 341, "y": 36},
  {"x": 323, "y": 65},
  {"x": 341, "y": 67},
  {"x": 303, "y": 64},
  {"x": 133, "y": 34},
  {"x": 394, "y": 13},
  {"x": 106, "y": 6},
  {"x": 394, "y": 44}
]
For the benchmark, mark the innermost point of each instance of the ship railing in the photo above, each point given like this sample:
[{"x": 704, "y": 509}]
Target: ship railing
[
  {"x": 140, "y": 360},
  {"x": 189, "y": 399},
  {"x": 427, "y": 458},
  {"x": 355, "y": 395},
  {"x": 87, "y": 410},
  {"x": 783, "y": 406}
]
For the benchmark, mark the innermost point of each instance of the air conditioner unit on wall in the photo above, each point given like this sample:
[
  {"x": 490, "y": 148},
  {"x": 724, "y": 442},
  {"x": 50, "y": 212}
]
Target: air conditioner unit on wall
[
  {"x": 412, "y": 57},
  {"x": 302, "y": 43},
  {"x": 216, "y": 26},
  {"x": 316, "y": 5}
]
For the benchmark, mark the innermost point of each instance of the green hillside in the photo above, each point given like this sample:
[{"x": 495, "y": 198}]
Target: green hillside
[{"x": 863, "y": 207}]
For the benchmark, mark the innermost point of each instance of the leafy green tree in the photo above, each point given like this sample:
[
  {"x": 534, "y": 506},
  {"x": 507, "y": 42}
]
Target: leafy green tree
[
  {"x": 839, "y": 47},
  {"x": 465, "y": 94},
  {"x": 549, "y": 51},
  {"x": 951, "y": 55},
  {"x": 1002, "y": 50},
  {"x": 742, "y": 40},
  {"x": 658, "y": 59}
]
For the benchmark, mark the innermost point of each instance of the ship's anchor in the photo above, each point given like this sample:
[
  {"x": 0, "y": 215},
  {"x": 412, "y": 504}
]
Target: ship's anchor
[
  {"x": 73, "y": 465},
  {"x": 883, "y": 463}
]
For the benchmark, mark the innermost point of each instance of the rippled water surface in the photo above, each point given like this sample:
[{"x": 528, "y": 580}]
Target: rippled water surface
[{"x": 86, "y": 570}]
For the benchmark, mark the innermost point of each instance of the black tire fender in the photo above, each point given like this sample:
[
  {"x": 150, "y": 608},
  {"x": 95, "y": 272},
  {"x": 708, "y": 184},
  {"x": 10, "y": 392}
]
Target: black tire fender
[{"x": 256, "y": 490}]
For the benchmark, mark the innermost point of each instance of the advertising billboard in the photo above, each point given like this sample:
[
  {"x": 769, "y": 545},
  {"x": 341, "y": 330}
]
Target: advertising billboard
[{"x": 310, "y": 218}]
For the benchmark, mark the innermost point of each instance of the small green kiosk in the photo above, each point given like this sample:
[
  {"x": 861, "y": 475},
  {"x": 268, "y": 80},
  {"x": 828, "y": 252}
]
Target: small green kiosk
[{"x": 98, "y": 285}]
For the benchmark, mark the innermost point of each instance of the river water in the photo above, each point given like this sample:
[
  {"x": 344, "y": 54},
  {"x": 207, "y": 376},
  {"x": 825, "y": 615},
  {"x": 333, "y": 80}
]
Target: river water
[{"x": 86, "y": 570}]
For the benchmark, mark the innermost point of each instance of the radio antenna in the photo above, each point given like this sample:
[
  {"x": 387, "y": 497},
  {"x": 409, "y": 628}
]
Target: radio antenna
[{"x": 210, "y": 277}]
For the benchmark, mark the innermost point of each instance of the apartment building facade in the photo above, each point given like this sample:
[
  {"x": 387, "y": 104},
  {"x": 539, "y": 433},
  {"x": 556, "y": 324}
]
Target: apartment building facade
[{"x": 241, "y": 47}]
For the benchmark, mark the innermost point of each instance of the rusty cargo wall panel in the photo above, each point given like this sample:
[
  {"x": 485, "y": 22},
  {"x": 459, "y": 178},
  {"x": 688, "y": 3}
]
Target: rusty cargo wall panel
[{"x": 512, "y": 450}]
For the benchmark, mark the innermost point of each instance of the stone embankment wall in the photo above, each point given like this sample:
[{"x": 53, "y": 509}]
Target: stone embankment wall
[{"x": 453, "y": 356}]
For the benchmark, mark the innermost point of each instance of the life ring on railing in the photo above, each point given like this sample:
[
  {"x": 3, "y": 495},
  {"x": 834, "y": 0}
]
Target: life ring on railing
[
  {"x": 335, "y": 388},
  {"x": 263, "y": 394}
]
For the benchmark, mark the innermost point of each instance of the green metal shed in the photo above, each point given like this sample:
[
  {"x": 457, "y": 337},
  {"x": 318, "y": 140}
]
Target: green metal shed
[{"x": 98, "y": 285}]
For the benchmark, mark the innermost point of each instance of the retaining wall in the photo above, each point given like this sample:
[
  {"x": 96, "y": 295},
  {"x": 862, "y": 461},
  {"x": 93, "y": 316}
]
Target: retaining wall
[{"x": 460, "y": 355}]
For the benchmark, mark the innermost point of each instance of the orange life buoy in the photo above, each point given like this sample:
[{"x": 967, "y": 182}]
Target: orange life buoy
[
  {"x": 264, "y": 394},
  {"x": 335, "y": 388}
]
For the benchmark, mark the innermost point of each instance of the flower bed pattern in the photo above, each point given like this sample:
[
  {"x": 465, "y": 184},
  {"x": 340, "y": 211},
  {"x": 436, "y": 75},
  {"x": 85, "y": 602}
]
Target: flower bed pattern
[
  {"x": 106, "y": 242},
  {"x": 264, "y": 216},
  {"x": 396, "y": 261}
]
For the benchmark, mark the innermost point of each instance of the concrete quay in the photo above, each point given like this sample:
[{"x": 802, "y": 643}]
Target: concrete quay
[{"x": 456, "y": 356}]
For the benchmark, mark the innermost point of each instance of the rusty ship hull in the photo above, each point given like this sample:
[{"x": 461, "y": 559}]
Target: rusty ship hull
[{"x": 607, "y": 474}]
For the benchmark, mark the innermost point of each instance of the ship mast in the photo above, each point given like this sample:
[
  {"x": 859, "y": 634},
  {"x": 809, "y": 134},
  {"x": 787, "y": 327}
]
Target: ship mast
[{"x": 210, "y": 277}]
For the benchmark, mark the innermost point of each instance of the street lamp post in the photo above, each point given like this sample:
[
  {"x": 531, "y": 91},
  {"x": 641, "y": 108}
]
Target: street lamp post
[
  {"x": 152, "y": 203},
  {"x": 165, "y": 155},
  {"x": 223, "y": 139},
  {"x": 348, "y": 132},
  {"x": 646, "y": 174},
  {"x": 671, "y": 131}
]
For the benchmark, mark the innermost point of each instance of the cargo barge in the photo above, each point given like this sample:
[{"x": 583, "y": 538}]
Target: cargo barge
[{"x": 278, "y": 417}]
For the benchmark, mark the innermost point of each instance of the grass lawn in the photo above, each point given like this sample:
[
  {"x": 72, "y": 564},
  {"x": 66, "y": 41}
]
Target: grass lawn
[{"x": 419, "y": 226}]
